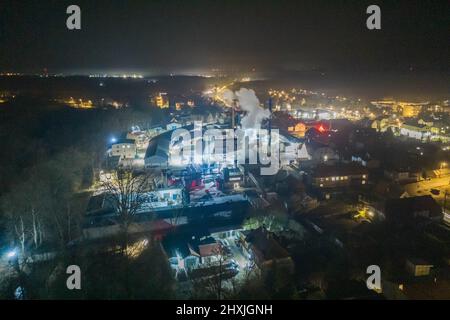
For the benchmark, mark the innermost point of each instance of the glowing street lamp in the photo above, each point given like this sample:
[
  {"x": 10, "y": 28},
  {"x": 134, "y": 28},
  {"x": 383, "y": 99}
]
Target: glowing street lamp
[{"x": 11, "y": 254}]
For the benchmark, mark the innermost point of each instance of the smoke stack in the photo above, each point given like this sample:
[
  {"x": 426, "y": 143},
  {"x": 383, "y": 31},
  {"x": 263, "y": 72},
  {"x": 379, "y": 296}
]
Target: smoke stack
[
  {"x": 249, "y": 104},
  {"x": 233, "y": 114},
  {"x": 270, "y": 123}
]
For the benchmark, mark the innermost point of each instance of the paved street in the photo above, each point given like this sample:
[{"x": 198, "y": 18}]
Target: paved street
[{"x": 423, "y": 188}]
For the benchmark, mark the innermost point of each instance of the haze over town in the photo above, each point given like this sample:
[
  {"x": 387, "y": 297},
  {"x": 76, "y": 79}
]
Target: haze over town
[{"x": 140, "y": 145}]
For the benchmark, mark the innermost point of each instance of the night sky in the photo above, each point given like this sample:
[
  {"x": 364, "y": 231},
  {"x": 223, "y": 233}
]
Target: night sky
[{"x": 150, "y": 35}]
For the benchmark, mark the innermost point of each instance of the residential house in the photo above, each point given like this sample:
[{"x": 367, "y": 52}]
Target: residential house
[
  {"x": 407, "y": 211},
  {"x": 418, "y": 267},
  {"x": 403, "y": 174},
  {"x": 186, "y": 253},
  {"x": 265, "y": 250},
  {"x": 366, "y": 160},
  {"x": 124, "y": 149},
  {"x": 336, "y": 176},
  {"x": 412, "y": 129}
]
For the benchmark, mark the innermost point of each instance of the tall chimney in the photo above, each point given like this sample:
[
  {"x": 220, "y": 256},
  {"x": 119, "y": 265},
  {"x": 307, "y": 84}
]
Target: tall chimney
[
  {"x": 233, "y": 114},
  {"x": 270, "y": 124}
]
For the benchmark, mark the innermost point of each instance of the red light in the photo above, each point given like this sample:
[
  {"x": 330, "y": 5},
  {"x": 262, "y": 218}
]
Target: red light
[{"x": 321, "y": 128}]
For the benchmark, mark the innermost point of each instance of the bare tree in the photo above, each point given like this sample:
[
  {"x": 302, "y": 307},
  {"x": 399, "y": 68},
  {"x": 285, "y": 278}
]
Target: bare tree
[
  {"x": 127, "y": 191},
  {"x": 216, "y": 283},
  {"x": 178, "y": 213},
  {"x": 24, "y": 218},
  {"x": 212, "y": 283}
]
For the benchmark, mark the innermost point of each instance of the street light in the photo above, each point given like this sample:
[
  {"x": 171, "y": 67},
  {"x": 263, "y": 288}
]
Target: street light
[{"x": 11, "y": 254}]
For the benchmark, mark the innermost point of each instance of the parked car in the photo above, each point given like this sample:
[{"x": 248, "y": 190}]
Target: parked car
[{"x": 436, "y": 192}]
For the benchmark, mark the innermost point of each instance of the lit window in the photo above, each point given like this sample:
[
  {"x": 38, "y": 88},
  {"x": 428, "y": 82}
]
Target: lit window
[
  {"x": 364, "y": 176},
  {"x": 321, "y": 185},
  {"x": 363, "y": 182}
]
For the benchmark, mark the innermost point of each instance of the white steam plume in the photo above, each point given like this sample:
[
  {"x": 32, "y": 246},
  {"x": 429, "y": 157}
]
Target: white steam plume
[{"x": 249, "y": 103}]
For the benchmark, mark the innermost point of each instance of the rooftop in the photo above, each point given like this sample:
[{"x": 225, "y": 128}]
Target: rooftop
[
  {"x": 265, "y": 245},
  {"x": 413, "y": 207},
  {"x": 333, "y": 170}
]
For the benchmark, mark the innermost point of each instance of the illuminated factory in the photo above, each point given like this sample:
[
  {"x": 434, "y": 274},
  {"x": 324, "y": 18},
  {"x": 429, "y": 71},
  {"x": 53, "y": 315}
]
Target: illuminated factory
[{"x": 161, "y": 150}]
